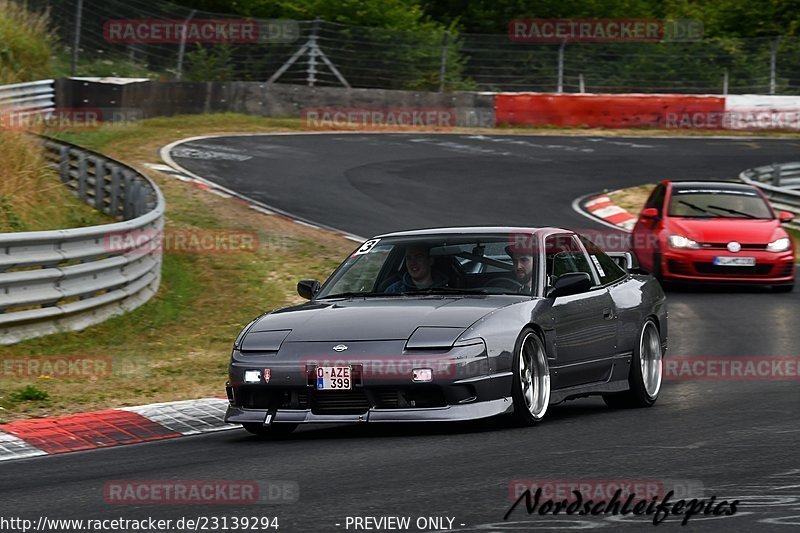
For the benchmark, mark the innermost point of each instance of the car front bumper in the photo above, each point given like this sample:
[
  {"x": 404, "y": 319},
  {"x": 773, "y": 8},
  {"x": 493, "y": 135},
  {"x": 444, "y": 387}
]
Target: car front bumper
[
  {"x": 463, "y": 385},
  {"x": 431, "y": 414},
  {"x": 698, "y": 266}
]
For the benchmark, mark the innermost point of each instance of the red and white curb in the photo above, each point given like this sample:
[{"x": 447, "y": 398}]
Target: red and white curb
[
  {"x": 603, "y": 208},
  {"x": 114, "y": 427}
]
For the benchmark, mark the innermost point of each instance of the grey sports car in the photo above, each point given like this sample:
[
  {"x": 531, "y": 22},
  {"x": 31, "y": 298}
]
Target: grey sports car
[{"x": 454, "y": 324}]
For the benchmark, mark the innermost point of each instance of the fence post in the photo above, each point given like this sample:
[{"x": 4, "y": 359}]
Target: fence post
[
  {"x": 773, "y": 56},
  {"x": 561, "y": 66},
  {"x": 311, "y": 71},
  {"x": 76, "y": 43},
  {"x": 581, "y": 86},
  {"x": 725, "y": 83},
  {"x": 182, "y": 48},
  {"x": 443, "y": 66}
]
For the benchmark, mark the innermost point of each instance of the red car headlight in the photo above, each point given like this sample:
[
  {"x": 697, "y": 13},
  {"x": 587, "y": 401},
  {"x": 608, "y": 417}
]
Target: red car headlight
[
  {"x": 779, "y": 245},
  {"x": 679, "y": 241}
]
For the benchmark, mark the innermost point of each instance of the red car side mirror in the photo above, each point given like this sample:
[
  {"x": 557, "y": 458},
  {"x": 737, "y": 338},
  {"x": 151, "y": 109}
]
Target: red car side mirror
[
  {"x": 650, "y": 212},
  {"x": 785, "y": 216}
]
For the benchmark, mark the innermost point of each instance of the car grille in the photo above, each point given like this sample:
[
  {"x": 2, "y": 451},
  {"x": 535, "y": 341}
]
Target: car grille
[
  {"x": 415, "y": 397},
  {"x": 724, "y": 246},
  {"x": 719, "y": 270},
  {"x": 259, "y": 397},
  {"x": 677, "y": 267},
  {"x": 340, "y": 402},
  {"x": 356, "y": 401}
]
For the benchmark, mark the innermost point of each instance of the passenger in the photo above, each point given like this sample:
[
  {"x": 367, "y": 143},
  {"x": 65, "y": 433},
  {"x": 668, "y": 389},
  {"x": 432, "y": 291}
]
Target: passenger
[
  {"x": 419, "y": 272},
  {"x": 521, "y": 254}
]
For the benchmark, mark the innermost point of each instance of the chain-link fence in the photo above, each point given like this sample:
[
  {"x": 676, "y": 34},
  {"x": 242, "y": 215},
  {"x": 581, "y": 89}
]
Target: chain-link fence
[{"x": 322, "y": 53}]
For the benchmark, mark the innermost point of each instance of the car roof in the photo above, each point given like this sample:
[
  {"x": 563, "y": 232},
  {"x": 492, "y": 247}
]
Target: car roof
[
  {"x": 466, "y": 230},
  {"x": 722, "y": 185}
]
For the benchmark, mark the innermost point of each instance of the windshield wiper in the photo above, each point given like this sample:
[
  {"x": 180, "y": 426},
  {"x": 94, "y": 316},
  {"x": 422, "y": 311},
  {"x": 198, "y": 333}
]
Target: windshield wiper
[
  {"x": 732, "y": 211},
  {"x": 697, "y": 208},
  {"x": 358, "y": 295},
  {"x": 445, "y": 290}
]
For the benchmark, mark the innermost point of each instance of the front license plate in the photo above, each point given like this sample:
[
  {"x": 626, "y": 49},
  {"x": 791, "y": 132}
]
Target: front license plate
[
  {"x": 735, "y": 261},
  {"x": 334, "y": 378}
]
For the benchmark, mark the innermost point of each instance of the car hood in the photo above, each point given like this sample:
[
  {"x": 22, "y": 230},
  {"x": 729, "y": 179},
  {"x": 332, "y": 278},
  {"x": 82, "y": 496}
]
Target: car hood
[
  {"x": 393, "y": 318},
  {"x": 720, "y": 230}
]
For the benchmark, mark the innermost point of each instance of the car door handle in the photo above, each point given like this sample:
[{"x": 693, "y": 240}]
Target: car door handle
[{"x": 608, "y": 314}]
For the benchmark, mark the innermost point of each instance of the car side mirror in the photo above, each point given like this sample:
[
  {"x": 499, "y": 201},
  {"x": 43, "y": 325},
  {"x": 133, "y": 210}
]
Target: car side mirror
[
  {"x": 650, "y": 212},
  {"x": 785, "y": 216},
  {"x": 308, "y": 288},
  {"x": 625, "y": 260},
  {"x": 570, "y": 283}
]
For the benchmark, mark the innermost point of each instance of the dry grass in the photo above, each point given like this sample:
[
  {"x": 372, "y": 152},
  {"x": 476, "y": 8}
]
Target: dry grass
[
  {"x": 31, "y": 195},
  {"x": 633, "y": 198},
  {"x": 25, "y": 43}
]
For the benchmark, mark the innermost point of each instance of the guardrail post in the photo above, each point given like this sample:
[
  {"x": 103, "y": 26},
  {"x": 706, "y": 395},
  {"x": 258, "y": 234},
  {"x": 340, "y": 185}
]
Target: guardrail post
[
  {"x": 126, "y": 205},
  {"x": 114, "y": 204},
  {"x": 82, "y": 176},
  {"x": 99, "y": 185},
  {"x": 63, "y": 164},
  {"x": 776, "y": 174}
]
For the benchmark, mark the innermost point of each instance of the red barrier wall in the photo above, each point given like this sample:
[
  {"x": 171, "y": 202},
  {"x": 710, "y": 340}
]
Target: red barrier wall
[{"x": 600, "y": 110}]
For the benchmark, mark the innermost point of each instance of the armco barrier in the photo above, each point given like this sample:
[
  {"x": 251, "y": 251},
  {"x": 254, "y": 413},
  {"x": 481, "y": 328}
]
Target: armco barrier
[
  {"x": 69, "y": 279},
  {"x": 600, "y": 110},
  {"x": 30, "y": 97},
  {"x": 780, "y": 183}
]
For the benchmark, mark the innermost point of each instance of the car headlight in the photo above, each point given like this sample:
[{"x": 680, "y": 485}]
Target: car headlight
[
  {"x": 779, "y": 245},
  {"x": 679, "y": 241},
  {"x": 240, "y": 337}
]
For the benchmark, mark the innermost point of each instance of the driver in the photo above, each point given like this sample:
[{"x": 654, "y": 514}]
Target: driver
[
  {"x": 419, "y": 272},
  {"x": 521, "y": 253}
]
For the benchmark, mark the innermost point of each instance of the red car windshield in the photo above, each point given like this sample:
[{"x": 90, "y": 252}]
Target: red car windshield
[{"x": 714, "y": 203}]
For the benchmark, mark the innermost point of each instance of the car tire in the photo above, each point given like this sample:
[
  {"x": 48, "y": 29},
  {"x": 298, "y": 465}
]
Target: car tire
[
  {"x": 271, "y": 431},
  {"x": 531, "y": 379},
  {"x": 783, "y": 288},
  {"x": 645, "y": 375}
]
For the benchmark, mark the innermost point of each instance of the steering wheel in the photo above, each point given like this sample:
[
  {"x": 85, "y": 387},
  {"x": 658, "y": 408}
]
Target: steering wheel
[{"x": 505, "y": 283}]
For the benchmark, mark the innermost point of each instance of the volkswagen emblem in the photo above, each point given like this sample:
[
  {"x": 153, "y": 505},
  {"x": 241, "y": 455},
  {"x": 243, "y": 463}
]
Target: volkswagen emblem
[
  {"x": 734, "y": 246},
  {"x": 340, "y": 347}
]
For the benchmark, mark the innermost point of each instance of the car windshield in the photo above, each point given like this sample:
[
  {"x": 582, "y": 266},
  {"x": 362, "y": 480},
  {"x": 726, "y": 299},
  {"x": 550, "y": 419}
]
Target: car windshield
[
  {"x": 718, "y": 203},
  {"x": 463, "y": 264}
]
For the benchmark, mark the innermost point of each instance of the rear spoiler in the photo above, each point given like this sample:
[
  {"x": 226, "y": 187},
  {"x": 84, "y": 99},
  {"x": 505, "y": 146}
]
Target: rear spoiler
[{"x": 626, "y": 260}]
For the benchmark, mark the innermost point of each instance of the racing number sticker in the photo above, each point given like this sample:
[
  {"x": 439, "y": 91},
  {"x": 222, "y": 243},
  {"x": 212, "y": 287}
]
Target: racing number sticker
[{"x": 366, "y": 247}]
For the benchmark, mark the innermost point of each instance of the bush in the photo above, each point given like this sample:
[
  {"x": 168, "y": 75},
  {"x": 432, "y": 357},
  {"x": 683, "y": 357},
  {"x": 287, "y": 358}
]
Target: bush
[
  {"x": 29, "y": 394},
  {"x": 25, "y": 44}
]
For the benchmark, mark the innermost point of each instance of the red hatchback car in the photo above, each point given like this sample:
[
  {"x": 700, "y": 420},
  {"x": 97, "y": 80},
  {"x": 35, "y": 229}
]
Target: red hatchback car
[{"x": 714, "y": 232}]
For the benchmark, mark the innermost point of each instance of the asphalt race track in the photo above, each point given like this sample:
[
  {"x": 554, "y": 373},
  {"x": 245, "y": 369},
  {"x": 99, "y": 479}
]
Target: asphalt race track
[{"x": 739, "y": 439}]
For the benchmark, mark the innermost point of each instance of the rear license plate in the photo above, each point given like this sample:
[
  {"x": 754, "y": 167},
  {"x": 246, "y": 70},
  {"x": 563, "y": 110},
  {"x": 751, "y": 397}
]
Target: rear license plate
[
  {"x": 735, "y": 261},
  {"x": 334, "y": 378}
]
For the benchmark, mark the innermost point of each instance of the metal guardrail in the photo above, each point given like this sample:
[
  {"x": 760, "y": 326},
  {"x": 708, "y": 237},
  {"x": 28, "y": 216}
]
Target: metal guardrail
[
  {"x": 69, "y": 279},
  {"x": 31, "y": 97},
  {"x": 780, "y": 183}
]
